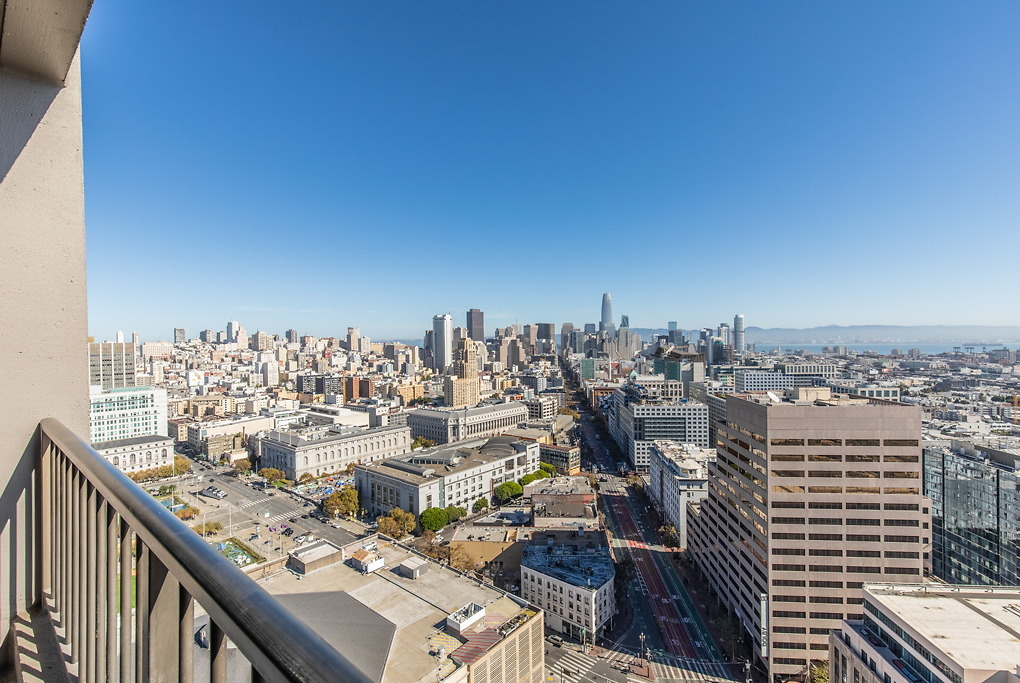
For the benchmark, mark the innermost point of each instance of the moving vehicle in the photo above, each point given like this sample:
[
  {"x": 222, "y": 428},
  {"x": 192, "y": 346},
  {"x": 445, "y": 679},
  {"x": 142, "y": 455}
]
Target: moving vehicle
[{"x": 555, "y": 640}]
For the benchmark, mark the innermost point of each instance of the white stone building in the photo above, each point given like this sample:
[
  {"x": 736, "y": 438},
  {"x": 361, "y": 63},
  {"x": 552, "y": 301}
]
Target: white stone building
[
  {"x": 677, "y": 475},
  {"x": 330, "y": 450}
]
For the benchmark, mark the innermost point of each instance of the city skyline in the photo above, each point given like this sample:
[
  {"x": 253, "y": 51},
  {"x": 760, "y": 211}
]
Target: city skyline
[{"x": 805, "y": 165}]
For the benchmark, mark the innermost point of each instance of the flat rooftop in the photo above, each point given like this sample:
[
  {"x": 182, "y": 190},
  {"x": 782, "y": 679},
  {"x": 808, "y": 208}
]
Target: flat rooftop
[
  {"x": 388, "y": 625},
  {"x": 976, "y": 626},
  {"x": 578, "y": 566},
  {"x": 132, "y": 441}
]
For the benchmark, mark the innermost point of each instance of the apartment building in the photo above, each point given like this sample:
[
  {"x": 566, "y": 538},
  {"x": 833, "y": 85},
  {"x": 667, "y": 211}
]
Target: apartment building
[
  {"x": 573, "y": 580},
  {"x": 324, "y": 450},
  {"x": 677, "y": 476},
  {"x": 930, "y": 633},
  {"x": 810, "y": 496},
  {"x": 456, "y": 474},
  {"x": 446, "y": 426}
]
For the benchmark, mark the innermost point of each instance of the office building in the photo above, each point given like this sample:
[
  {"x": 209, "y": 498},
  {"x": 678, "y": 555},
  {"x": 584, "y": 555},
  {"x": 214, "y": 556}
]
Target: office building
[
  {"x": 606, "y": 322},
  {"x": 929, "y": 633},
  {"x": 547, "y": 331},
  {"x": 809, "y": 496},
  {"x": 233, "y": 327},
  {"x": 126, "y": 413},
  {"x": 457, "y": 474},
  {"x": 677, "y": 476},
  {"x": 476, "y": 324},
  {"x": 446, "y": 426},
  {"x": 319, "y": 452},
  {"x": 460, "y": 392},
  {"x": 442, "y": 342},
  {"x": 739, "y": 345},
  {"x": 637, "y": 418},
  {"x": 179, "y": 337},
  {"x": 137, "y": 453},
  {"x": 975, "y": 497},
  {"x": 111, "y": 365},
  {"x": 291, "y": 336}
]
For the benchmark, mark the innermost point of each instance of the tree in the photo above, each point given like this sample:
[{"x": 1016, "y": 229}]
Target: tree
[
  {"x": 459, "y": 558},
  {"x": 422, "y": 442},
  {"x": 505, "y": 492},
  {"x": 207, "y": 528},
  {"x": 396, "y": 524},
  {"x": 272, "y": 474},
  {"x": 242, "y": 465},
  {"x": 342, "y": 502},
  {"x": 546, "y": 467},
  {"x": 480, "y": 504},
  {"x": 453, "y": 513},
  {"x": 527, "y": 479},
  {"x": 433, "y": 519},
  {"x": 571, "y": 412},
  {"x": 820, "y": 674},
  {"x": 187, "y": 513},
  {"x": 305, "y": 478}
]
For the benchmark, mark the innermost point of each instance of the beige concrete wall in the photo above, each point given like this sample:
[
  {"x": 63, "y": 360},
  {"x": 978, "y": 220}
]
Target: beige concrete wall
[{"x": 42, "y": 303}]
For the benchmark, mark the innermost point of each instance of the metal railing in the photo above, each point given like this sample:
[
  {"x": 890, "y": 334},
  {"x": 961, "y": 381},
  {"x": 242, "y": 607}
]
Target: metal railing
[{"x": 124, "y": 574}]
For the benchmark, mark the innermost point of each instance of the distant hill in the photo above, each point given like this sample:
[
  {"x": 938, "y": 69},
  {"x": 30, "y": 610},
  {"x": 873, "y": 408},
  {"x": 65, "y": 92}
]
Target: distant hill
[{"x": 851, "y": 334}]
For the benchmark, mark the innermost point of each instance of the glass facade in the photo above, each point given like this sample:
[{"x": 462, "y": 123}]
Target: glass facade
[{"x": 975, "y": 518}]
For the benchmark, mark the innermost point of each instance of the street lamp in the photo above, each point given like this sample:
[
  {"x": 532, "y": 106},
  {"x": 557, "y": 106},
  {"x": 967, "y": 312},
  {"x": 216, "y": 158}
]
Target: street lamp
[{"x": 642, "y": 639}]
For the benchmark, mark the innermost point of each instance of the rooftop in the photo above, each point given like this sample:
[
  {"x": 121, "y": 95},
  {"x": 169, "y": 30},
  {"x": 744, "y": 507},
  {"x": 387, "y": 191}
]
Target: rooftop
[
  {"x": 467, "y": 412},
  {"x": 132, "y": 441},
  {"x": 387, "y": 624},
  {"x": 976, "y": 626},
  {"x": 577, "y": 565}
]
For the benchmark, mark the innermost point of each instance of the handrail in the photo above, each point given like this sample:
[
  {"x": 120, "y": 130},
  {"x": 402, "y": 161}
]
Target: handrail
[{"x": 248, "y": 615}]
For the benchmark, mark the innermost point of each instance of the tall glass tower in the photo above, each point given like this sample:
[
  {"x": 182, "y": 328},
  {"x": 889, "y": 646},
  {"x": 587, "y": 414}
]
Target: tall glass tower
[{"x": 607, "y": 313}]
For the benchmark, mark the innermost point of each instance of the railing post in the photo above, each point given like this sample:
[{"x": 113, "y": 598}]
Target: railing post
[
  {"x": 126, "y": 580},
  {"x": 185, "y": 637},
  {"x": 162, "y": 628},
  {"x": 46, "y": 471},
  {"x": 102, "y": 597},
  {"x": 112, "y": 524},
  {"x": 142, "y": 555},
  {"x": 217, "y": 653},
  {"x": 91, "y": 581}
]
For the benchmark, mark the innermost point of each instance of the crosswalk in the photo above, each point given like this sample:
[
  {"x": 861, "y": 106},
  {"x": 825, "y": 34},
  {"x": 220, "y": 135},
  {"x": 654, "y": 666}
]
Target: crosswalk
[
  {"x": 249, "y": 503},
  {"x": 574, "y": 666},
  {"x": 275, "y": 519}
]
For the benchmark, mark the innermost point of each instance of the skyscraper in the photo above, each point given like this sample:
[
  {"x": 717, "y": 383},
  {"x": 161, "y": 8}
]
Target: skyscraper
[
  {"x": 111, "y": 365},
  {"x": 738, "y": 334},
  {"x": 179, "y": 337},
  {"x": 442, "y": 341},
  {"x": 232, "y": 327},
  {"x": 292, "y": 336},
  {"x": 625, "y": 321},
  {"x": 476, "y": 324},
  {"x": 607, "y": 313}
]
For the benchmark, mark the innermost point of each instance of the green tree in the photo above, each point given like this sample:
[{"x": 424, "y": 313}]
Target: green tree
[
  {"x": 422, "y": 442},
  {"x": 453, "y": 513},
  {"x": 242, "y": 465},
  {"x": 480, "y": 504},
  {"x": 527, "y": 479},
  {"x": 820, "y": 674},
  {"x": 546, "y": 467},
  {"x": 507, "y": 491},
  {"x": 272, "y": 474},
  {"x": 397, "y": 523},
  {"x": 433, "y": 519},
  {"x": 342, "y": 502}
]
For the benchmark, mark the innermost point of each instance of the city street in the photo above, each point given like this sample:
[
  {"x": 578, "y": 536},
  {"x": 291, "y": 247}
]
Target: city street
[{"x": 246, "y": 510}]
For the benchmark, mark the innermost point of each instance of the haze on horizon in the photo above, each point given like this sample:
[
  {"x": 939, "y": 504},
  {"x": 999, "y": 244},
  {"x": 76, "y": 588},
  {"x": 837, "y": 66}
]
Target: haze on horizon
[{"x": 373, "y": 164}]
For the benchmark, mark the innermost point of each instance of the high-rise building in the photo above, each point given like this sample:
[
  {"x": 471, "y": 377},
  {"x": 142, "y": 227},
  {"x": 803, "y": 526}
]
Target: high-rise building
[
  {"x": 547, "y": 331},
  {"x": 738, "y": 335},
  {"x": 809, "y": 497},
  {"x": 565, "y": 330},
  {"x": 476, "y": 324},
  {"x": 232, "y": 327},
  {"x": 126, "y": 413},
  {"x": 465, "y": 360},
  {"x": 111, "y": 365},
  {"x": 353, "y": 339},
  {"x": 671, "y": 325},
  {"x": 606, "y": 323},
  {"x": 261, "y": 341},
  {"x": 120, "y": 336},
  {"x": 208, "y": 336},
  {"x": 975, "y": 493},
  {"x": 625, "y": 321},
  {"x": 179, "y": 335},
  {"x": 442, "y": 342},
  {"x": 292, "y": 336},
  {"x": 136, "y": 340}
]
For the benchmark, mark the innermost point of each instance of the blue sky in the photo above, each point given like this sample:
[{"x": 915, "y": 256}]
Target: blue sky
[{"x": 319, "y": 165}]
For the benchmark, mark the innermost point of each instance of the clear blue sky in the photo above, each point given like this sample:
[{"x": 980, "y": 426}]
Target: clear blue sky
[{"x": 319, "y": 165}]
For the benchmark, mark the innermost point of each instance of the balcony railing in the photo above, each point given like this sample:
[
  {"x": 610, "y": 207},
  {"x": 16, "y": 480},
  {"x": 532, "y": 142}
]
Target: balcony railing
[{"x": 124, "y": 574}]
